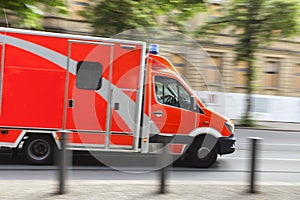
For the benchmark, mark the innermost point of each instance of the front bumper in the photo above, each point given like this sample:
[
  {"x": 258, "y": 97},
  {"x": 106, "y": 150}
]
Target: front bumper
[{"x": 226, "y": 145}]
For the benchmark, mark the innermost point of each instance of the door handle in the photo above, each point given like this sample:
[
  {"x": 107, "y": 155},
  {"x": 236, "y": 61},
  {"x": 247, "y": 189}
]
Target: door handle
[
  {"x": 71, "y": 103},
  {"x": 158, "y": 113}
]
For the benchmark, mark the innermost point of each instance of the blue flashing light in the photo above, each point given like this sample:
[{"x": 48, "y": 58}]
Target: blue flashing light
[{"x": 154, "y": 49}]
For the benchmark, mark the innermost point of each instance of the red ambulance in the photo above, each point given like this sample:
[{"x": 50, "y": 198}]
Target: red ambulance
[{"x": 109, "y": 94}]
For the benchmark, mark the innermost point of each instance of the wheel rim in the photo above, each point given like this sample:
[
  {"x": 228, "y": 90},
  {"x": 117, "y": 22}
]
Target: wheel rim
[
  {"x": 39, "y": 149},
  {"x": 203, "y": 153}
]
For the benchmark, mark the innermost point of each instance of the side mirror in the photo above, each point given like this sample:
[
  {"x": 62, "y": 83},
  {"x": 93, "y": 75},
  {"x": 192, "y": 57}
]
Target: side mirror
[{"x": 193, "y": 103}]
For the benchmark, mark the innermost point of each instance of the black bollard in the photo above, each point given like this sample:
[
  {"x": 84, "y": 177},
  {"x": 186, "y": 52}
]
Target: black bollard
[
  {"x": 254, "y": 141},
  {"x": 163, "y": 139},
  {"x": 63, "y": 162},
  {"x": 164, "y": 169}
]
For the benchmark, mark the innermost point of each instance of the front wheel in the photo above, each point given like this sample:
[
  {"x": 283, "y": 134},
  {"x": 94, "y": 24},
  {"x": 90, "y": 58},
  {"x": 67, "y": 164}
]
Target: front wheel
[
  {"x": 203, "y": 152},
  {"x": 39, "y": 149}
]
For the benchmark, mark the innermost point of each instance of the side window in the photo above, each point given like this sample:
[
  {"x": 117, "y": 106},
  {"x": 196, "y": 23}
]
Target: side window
[
  {"x": 88, "y": 75},
  {"x": 162, "y": 93},
  {"x": 159, "y": 91},
  {"x": 184, "y": 98},
  {"x": 170, "y": 92}
]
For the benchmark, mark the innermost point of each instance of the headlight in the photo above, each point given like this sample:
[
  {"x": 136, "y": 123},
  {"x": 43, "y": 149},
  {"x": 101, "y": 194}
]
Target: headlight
[{"x": 229, "y": 126}]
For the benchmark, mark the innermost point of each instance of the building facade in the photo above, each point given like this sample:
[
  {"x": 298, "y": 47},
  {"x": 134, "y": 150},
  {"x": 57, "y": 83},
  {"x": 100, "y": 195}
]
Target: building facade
[{"x": 277, "y": 66}]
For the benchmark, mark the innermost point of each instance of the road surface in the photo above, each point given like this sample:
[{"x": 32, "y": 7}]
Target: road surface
[{"x": 279, "y": 162}]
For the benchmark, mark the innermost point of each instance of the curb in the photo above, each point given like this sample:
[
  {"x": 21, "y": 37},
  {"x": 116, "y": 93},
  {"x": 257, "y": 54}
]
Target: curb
[{"x": 266, "y": 129}]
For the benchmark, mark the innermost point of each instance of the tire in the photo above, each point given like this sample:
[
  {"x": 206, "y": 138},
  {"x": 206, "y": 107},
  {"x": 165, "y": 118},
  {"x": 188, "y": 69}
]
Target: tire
[
  {"x": 202, "y": 155},
  {"x": 39, "y": 149}
]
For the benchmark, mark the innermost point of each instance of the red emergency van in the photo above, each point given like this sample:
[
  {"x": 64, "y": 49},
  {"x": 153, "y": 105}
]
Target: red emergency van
[{"x": 109, "y": 94}]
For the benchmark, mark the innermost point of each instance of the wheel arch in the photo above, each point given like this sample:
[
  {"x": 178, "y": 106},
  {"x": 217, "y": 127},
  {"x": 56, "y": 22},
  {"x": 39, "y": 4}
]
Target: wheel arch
[
  {"x": 202, "y": 132},
  {"x": 52, "y": 134},
  {"x": 205, "y": 131}
]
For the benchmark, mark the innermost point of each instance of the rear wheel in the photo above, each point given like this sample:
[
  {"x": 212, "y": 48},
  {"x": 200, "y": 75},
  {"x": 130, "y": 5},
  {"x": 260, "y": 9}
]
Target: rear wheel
[
  {"x": 203, "y": 152},
  {"x": 39, "y": 149}
]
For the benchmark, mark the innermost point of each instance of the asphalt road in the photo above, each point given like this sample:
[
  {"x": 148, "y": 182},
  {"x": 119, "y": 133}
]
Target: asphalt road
[{"x": 278, "y": 162}]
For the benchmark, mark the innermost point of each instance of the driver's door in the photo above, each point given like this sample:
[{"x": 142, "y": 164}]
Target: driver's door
[{"x": 172, "y": 112}]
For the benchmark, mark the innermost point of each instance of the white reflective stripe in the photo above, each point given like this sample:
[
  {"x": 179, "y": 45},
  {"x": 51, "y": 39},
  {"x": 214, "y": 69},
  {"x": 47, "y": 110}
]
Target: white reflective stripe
[
  {"x": 46, "y": 53},
  {"x": 69, "y": 36},
  {"x": 57, "y": 142},
  {"x": 19, "y": 139},
  {"x": 23, "y": 133},
  {"x": 84, "y": 146},
  {"x": 7, "y": 144},
  {"x": 127, "y": 104},
  {"x": 61, "y": 60},
  {"x": 13, "y": 144},
  {"x": 205, "y": 130}
]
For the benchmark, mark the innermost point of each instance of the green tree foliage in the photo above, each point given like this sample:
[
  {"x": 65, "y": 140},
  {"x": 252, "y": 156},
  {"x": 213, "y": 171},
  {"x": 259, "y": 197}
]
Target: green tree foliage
[
  {"x": 255, "y": 23},
  {"x": 27, "y": 13},
  {"x": 114, "y": 16}
]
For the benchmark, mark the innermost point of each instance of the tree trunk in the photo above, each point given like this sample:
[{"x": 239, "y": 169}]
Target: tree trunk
[
  {"x": 247, "y": 117},
  {"x": 247, "y": 121}
]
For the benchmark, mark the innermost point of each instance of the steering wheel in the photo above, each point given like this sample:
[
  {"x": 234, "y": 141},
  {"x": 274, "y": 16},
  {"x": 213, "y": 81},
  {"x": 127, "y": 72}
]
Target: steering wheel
[{"x": 170, "y": 100}]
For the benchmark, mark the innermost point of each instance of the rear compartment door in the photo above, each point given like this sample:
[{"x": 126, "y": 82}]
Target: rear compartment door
[
  {"x": 87, "y": 64},
  {"x": 103, "y": 98}
]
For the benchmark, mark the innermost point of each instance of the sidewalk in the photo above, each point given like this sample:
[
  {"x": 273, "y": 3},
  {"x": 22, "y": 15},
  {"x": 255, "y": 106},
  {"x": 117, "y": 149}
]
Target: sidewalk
[
  {"x": 135, "y": 190},
  {"x": 77, "y": 189},
  {"x": 276, "y": 126}
]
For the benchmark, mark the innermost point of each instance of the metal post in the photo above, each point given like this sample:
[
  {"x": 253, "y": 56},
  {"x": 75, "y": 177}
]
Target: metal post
[
  {"x": 164, "y": 169},
  {"x": 63, "y": 162},
  {"x": 163, "y": 139},
  {"x": 254, "y": 141}
]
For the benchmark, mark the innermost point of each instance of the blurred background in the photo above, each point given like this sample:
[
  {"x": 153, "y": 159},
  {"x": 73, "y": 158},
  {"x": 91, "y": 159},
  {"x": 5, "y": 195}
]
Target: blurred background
[
  {"x": 253, "y": 45},
  {"x": 247, "y": 53}
]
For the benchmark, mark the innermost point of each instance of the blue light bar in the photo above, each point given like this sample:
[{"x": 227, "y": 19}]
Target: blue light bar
[{"x": 154, "y": 49}]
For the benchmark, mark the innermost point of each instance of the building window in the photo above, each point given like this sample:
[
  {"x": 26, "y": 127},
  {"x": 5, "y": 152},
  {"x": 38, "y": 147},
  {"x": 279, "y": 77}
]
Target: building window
[
  {"x": 213, "y": 69},
  {"x": 81, "y": 3},
  {"x": 297, "y": 77},
  {"x": 214, "y": 8},
  {"x": 271, "y": 73},
  {"x": 241, "y": 74},
  {"x": 178, "y": 63},
  {"x": 76, "y": 6}
]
